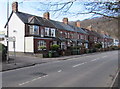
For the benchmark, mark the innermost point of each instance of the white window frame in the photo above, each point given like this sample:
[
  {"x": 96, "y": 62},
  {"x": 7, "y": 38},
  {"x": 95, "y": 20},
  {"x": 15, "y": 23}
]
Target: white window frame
[
  {"x": 41, "y": 43},
  {"x": 82, "y": 36},
  {"x": 42, "y": 32},
  {"x": 52, "y": 32},
  {"x": 32, "y": 30},
  {"x": 47, "y": 31}
]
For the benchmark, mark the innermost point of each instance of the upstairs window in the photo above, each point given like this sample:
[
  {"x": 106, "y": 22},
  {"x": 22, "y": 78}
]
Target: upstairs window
[
  {"x": 82, "y": 36},
  {"x": 61, "y": 34},
  {"x": 42, "y": 32},
  {"x": 47, "y": 31},
  {"x": 65, "y": 34},
  {"x": 34, "y": 29},
  {"x": 68, "y": 35},
  {"x": 52, "y": 32}
]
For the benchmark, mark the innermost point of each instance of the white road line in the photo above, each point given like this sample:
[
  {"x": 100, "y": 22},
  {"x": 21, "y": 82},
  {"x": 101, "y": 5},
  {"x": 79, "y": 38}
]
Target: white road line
[
  {"x": 104, "y": 56},
  {"x": 79, "y": 64},
  {"x": 31, "y": 80},
  {"x": 60, "y": 71},
  {"x": 114, "y": 80},
  {"x": 94, "y": 60}
]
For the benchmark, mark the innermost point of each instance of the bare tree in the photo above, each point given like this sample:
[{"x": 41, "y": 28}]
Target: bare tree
[{"x": 107, "y": 9}]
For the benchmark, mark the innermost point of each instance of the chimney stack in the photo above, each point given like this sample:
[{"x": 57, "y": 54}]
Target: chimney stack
[
  {"x": 15, "y": 6},
  {"x": 46, "y": 15},
  {"x": 89, "y": 28},
  {"x": 65, "y": 20},
  {"x": 102, "y": 32},
  {"x": 107, "y": 33},
  {"x": 77, "y": 24}
]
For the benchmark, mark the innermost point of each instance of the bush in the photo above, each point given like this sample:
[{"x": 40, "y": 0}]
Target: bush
[
  {"x": 3, "y": 51},
  {"x": 42, "y": 47},
  {"x": 55, "y": 47},
  {"x": 114, "y": 47},
  {"x": 98, "y": 45}
]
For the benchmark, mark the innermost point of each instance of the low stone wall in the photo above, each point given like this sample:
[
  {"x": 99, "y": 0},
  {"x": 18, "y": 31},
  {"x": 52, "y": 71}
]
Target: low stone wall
[{"x": 27, "y": 54}]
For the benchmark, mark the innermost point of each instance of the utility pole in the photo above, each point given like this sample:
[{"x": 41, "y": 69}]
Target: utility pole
[{"x": 7, "y": 31}]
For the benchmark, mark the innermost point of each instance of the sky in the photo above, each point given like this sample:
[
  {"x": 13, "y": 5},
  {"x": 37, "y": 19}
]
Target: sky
[{"x": 31, "y": 7}]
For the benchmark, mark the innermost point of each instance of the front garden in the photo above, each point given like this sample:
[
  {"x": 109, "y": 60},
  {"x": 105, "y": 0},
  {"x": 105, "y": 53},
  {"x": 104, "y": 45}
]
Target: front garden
[{"x": 55, "y": 50}]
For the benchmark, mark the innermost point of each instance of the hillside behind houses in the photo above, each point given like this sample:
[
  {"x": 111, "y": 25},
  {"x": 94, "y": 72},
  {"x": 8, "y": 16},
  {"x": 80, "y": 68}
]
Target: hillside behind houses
[{"x": 102, "y": 24}]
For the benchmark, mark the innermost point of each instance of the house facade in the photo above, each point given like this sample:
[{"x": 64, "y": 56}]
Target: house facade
[{"x": 33, "y": 32}]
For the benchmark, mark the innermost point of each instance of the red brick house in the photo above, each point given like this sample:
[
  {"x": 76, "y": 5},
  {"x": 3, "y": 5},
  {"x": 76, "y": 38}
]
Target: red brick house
[{"x": 32, "y": 32}]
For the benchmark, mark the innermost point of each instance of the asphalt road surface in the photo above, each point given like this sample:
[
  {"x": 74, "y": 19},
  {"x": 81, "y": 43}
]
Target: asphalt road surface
[{"x": 95, "y": 70}]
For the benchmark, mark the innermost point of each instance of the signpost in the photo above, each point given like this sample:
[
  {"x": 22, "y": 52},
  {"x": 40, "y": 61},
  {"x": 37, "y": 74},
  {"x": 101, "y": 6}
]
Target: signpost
[{"x": 12, "y": 39}]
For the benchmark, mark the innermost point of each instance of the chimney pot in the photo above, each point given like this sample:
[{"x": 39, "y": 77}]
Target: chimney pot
[
  {"x": 65, "y": 20},
  {"x": 15, "y": 6},
  {"x": 46, "y": 15},
  {"x": 102, "y": 32},
  {"x": 89, "y": 28},
  {"x": 77, "y": 24}
]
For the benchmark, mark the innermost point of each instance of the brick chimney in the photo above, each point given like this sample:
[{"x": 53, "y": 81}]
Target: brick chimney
[
  {"x": 77, "y": 24},
  {"x": 102, "y": 32},
  {"x": 46, "y": 15},
  {"x": 107, "y": 33},
  {"x": 89, "y": 28},
  {"x": 65, "y": 20},
  {"x": 15, "y": 6}
]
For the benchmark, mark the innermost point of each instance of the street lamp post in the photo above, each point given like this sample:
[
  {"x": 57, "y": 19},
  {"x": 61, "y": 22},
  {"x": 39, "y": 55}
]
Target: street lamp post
[{"x": 7, "y": 32}]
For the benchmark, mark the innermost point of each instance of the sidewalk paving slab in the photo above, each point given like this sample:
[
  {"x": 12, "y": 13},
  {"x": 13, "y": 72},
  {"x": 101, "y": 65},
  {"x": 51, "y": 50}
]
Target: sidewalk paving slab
[{"x": 26, "y": 61}]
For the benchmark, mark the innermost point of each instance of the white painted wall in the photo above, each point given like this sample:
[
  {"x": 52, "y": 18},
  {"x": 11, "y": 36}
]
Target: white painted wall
[
  {"x": 16, "y": 24},
  {"x": 29, "y": 44}
]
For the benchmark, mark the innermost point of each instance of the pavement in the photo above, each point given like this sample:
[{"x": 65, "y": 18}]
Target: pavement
[
  {"x": 96, "y": 70},
  {"x": 26, "y": 61},
  {"x": 21, "y": 61}
]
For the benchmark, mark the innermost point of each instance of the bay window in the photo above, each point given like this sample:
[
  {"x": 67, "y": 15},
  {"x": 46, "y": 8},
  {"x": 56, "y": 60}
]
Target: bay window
[{"x": 34, "y": 29}]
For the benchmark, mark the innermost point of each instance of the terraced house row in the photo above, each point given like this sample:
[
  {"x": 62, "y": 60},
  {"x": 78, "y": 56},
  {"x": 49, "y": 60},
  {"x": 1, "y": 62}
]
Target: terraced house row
[{"x": 32, "y": 31}]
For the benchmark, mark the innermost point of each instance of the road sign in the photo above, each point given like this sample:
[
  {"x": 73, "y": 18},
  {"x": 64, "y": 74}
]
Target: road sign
[{"x": 10, "y": 39}]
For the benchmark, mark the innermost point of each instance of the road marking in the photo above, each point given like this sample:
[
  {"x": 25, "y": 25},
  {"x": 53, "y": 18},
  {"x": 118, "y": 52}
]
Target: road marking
[
  {"x": 31, "y": 80},
  {"x": 104, "y": 56},
  {"x": 114, "y": 80},
  {"x": 95, "y": 59},
  {"x": 79, "y": 64},
  {"x": 60, "y": 71}
]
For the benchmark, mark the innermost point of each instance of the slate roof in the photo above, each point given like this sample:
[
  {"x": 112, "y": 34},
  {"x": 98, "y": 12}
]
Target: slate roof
[
  {"x": 78, "y": 29},
  {"x": 56, "y": 24},
  {"x": 66, "y": 27},
  {"x": 89, "y": 32},
  {"x": 43, "y": 22},
  {"x": 36, "y": 19}
]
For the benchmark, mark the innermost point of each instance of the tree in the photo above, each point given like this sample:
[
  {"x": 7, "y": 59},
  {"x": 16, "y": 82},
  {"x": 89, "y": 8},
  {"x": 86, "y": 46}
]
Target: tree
[{"x": 107, "y": 9}]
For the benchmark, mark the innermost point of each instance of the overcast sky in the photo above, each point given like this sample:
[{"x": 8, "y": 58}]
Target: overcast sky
[{"x": 31, "y": 7}]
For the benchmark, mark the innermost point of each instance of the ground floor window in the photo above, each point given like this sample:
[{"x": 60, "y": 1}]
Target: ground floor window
[
  {"x": 86, "y": 45},
  {"x": 54, "y": 42},
  {"x": 63, "y": 45},
  {"x": 41, "y": 44}
]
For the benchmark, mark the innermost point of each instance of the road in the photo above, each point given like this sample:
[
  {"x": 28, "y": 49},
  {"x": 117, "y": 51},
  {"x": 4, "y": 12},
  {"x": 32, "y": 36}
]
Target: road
[{"x": 95, "y": 70}]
